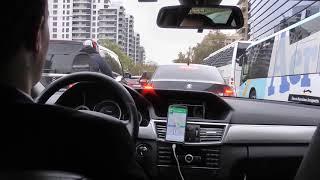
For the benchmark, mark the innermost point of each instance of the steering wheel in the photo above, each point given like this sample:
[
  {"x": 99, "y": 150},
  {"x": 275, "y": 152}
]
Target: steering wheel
[{"x": 132, "y": 123}]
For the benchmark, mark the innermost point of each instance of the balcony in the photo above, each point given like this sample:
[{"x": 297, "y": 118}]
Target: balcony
[
  {"x": 110, "y": 12},
  {"x": 107, "y": 31},
  {"x": 81, "y": 6},
  {"x": 81, "y": 13},
  {"x": 108, "y": 19},
  {"x": 82, "y": 1},
  {"x": 81, "y": 25},
  {"x": 81, "y": 30},
  {"x": 103, "y": 36},
  {"x": 81, "y": 18},
  {"x": 106, "y": 25},
  {"x": 78, "y": 36}
]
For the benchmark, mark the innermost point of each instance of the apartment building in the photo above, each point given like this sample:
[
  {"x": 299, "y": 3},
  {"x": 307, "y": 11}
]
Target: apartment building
[{"x": 80, "y": 20}]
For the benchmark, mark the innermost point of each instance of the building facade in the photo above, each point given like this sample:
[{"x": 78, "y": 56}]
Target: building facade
[
  {"x": 138, "y": 50},
  {"x": 60, "y": 19},
  {"x": 80, "y": 20},
  {"x": 269, "y": 17},
  {"x": 243, "y": 32}
]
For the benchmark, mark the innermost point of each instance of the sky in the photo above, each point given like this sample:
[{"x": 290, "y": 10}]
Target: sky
[{"x": 161, "y": 45}]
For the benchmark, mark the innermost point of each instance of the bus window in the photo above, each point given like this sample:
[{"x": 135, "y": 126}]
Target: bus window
[
  {"x": 221, "y": 59},
  {"x": 259, "y": 59},
  {"x": 305, "y": 30},
  {"x": 245, "y": 67},
  {"x": 306, "y": 57}
]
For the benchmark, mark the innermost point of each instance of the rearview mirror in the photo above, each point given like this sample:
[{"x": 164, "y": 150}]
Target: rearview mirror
[{"x": 200, "y": 17}]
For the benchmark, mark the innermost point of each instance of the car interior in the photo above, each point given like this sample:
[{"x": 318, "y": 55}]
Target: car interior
[{"x": 224, "y": 137}]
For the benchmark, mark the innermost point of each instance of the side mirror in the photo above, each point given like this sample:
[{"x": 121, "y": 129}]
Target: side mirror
[{"x": 200, "y": 17}]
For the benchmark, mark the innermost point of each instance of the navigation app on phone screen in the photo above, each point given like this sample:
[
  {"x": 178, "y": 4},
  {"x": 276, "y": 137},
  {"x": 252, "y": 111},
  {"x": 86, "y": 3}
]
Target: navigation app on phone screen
[{"x": 176, "y": 124}]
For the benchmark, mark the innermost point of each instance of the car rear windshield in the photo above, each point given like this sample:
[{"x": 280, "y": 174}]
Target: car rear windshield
[{"x": 184, "y": 72}]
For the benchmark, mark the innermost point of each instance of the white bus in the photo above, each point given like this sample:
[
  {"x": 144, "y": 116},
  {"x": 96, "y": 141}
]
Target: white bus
[
  {"x": 226, "y": 60},
  {"x": 284, "y": 66}
]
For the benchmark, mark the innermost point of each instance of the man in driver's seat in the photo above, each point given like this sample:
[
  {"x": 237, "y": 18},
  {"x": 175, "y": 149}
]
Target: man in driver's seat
[{"x": 38, "y": 137}]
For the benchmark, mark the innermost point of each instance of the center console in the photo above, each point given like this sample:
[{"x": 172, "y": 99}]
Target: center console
[
  {"x": 201, "y": 157},
  {"x": 199, "y": 152},
  {"x": 198, "y": 156}
]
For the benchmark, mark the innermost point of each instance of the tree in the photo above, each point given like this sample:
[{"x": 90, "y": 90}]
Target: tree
[
  {"x": 138, "y": 69},
  {"x": 127, "y": 63},
  {"x": 124, "y": 59},
  {"x": 185, "y": 58},
  {"x": 210, "y": 43}
]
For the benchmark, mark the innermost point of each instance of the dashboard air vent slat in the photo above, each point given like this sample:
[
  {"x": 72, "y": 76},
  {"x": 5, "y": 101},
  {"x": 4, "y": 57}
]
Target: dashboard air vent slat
[
  {"x": 164, "y": 155},
  {"x": 212, "y": 157},
  {"x": 161, "y": 129},
  {"x": 210, "y": 133}
]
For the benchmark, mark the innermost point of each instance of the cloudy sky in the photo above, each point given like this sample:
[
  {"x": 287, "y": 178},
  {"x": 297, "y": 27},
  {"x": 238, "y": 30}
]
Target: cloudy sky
[{"x": 161, "y": 45}]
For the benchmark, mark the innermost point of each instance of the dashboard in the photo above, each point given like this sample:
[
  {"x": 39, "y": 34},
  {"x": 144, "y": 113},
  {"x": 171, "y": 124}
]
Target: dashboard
[{"x": 225, "y": 138}]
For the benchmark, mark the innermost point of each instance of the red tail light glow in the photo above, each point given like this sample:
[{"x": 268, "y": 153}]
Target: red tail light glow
[
  {"x": 228, "y": 91},
  {"x": 224, "y": 90},
  {"x": 148, "y": 87}
]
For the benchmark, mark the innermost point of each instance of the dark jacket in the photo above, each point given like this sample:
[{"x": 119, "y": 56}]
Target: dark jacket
[
  {"x": 46, "y": 137},
  {"x": 97, "y": 59}
]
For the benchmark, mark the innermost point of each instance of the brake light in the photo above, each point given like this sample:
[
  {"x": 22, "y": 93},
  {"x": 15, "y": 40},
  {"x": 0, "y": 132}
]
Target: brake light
[
  {"x": 228, "y": 91},
  {"x": 223, "y": 90},
  {"x": 148, "y": 87},
  {"x": 188, "y": 68}
]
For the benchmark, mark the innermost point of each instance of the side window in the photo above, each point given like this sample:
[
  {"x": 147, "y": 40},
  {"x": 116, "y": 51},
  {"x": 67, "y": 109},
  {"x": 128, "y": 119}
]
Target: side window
[
  {"x": 307, "y": 52},
  {"x": 260, "y": 59},
  {"x": 304, "y": 30},
  {"x": 221, "y": 59},
  {"x": 306, "y": 57}
]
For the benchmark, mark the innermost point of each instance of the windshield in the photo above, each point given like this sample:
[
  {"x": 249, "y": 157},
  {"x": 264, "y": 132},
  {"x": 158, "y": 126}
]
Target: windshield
[
  {"x": 275, "y": 56},
  {"x": 188, "y": 73}
]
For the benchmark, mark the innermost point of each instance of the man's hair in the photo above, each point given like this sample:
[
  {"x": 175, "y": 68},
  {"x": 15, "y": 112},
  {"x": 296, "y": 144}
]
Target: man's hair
[{"x": 20, "y": 21}]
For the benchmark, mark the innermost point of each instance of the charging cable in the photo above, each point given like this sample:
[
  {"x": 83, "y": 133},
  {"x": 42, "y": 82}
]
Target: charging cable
[{"x": 176, "y": 158}]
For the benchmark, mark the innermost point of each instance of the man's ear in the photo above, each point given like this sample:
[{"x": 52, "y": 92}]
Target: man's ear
[{"x": 38, "y": 40}]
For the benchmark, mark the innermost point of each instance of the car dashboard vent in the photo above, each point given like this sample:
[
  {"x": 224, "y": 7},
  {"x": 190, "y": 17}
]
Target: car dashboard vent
[
  {"x": 211, "y": 133},
  {"x": 205, "y": 156},
  {"x": 161, "y": 129}
]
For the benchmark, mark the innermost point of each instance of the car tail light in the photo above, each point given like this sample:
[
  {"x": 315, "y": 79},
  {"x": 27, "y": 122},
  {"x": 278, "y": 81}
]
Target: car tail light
[
  {"x": 228, "y": 91},
  {"x": 143, "y": 82},
  {"x": 148, "y": 87},
  {"x": 223, "y": 90}
]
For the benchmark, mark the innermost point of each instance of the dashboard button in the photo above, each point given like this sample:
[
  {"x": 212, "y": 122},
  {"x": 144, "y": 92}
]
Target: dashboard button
[
  {"x": 142, "y": 149},
  {"x": 188, "y": 158}
]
